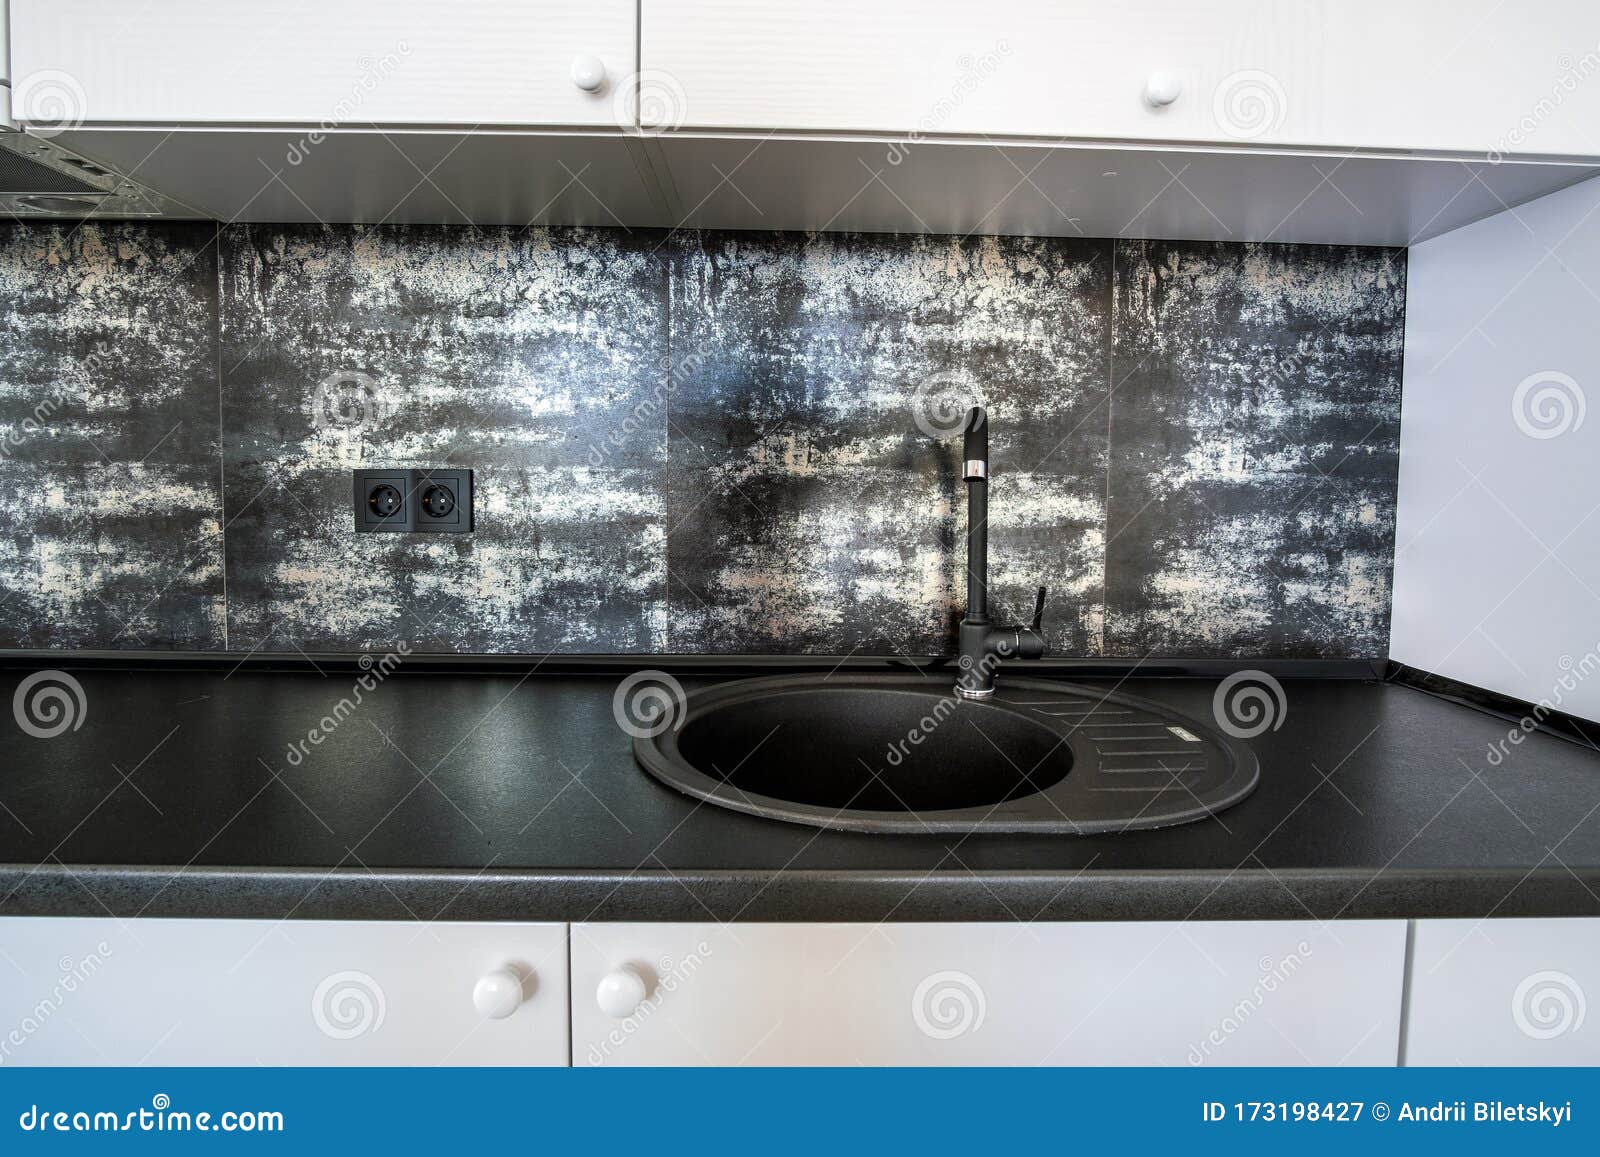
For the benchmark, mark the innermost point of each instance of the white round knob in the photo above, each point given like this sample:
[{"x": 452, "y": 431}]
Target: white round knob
[
  {"x": 588, "y": 73},
  {"x": 1161, "y": 89},
  {"x": 621, "y": 991},
  {"x": 497, "y": 994}
]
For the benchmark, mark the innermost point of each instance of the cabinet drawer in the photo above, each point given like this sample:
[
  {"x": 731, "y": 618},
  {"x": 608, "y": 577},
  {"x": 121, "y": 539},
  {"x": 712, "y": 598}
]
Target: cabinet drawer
[
  {"x": 244, "y": 992},
  {"x": 356, "y": 62},
  {"x": 1504, "y": 992},
  {"x": 962, "y": 994}
]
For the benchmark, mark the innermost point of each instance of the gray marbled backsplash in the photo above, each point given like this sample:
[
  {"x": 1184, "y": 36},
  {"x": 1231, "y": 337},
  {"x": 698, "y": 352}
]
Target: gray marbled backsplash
[
  {"x": 110, "y": 480},
  {"x": 696, "y": 442},
  {"x": 512, "y": 353}
]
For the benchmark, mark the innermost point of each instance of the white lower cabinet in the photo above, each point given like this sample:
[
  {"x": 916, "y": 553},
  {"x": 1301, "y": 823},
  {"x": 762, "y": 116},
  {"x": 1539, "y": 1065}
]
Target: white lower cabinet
[
  {"x": 76, "y": 991},
  {"x": 1504, "y": 992},
  {"x": 1268, "y": 993},
  {"x": 80, "y": 991}
]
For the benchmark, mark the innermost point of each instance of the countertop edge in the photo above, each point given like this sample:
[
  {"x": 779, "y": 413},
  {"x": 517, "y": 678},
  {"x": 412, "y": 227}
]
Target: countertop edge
[{"x": 536, "y": 895}]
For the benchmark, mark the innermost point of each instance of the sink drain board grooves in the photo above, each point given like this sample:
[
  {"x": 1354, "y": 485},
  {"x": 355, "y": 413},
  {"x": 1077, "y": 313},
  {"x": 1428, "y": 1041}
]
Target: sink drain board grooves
[
  {"x": 1158, "y": 728},
  {"x": 1152, "y": 751}
]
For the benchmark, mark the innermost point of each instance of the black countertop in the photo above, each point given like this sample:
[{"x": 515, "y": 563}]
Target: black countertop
[{"x": 514, "y": 796}]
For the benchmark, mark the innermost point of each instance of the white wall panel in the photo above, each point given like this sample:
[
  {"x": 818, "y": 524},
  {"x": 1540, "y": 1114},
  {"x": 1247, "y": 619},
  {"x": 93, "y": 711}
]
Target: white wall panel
[{"x": 1497, "y": 564}]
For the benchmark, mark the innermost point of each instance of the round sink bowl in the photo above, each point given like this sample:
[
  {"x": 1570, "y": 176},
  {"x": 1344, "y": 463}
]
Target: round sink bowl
[
  {"x": 901, "y": 753},
  {"x": 874, "y": 749}
]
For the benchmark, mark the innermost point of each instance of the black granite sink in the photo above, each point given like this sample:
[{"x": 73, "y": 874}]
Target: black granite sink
[{"x": 901, "y": 753}]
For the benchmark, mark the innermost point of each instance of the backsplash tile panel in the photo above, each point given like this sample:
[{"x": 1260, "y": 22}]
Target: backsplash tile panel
[
  {"x": 110, "y": 478},
  {"x": 808, "y": 509},
  {"x": 1254, "y": 449},
  {"x": 693, "y": 442},
  {"x": 528, "y": 356}
]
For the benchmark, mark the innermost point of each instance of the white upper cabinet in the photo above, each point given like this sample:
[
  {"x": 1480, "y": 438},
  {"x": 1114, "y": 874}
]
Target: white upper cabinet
[
  {"x": 1316, "y": 121},
  {"x": 339, "y": 62},
  {"x": 1449, "y": 75}
]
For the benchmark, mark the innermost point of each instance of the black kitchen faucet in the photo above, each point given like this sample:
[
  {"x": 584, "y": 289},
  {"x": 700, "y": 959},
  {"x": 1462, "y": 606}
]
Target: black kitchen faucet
[{"x": 984, "y": 645}]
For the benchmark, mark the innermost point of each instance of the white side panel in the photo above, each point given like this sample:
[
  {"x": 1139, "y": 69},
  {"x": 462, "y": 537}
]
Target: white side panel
[
  {"x": 1504, "y": 992},
  {"x": 963, "y": 994},
  {"x": 85, "y": 991},
  {"x": 1497, "y": 553},
  {"x": 1470, "y": 75},
  {"x": 466, "y": 62}
]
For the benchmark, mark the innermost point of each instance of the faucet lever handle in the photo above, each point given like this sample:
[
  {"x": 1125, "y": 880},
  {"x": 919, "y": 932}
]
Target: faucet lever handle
[{"x": 1038, "y": 610}]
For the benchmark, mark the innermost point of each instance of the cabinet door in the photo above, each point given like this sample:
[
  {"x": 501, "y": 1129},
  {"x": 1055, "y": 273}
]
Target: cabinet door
[
  {"x": 80, "y": 991},
  {"x": 341, "y": 62},
  {"x": 1504, "y": 992},
  {"x": 1469, "y": 75},
  {"x": 963, "y": 994}
]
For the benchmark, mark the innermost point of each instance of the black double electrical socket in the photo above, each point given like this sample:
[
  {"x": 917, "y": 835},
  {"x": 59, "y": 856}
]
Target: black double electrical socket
[{"x": 432, "y": 501}]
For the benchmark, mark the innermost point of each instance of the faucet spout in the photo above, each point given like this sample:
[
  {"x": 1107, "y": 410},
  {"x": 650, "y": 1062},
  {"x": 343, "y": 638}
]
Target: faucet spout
[
  {"x": 983, "y": 645},
  {"x": 975, "y": 471}
]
